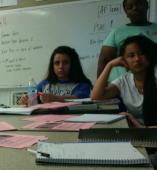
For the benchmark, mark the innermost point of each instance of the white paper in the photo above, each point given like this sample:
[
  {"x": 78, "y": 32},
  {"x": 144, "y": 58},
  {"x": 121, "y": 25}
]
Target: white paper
[
  {"x": 8, "y": 3},
  {"x": 19, "y": 111},
  {"x": 90, "y": 151}
]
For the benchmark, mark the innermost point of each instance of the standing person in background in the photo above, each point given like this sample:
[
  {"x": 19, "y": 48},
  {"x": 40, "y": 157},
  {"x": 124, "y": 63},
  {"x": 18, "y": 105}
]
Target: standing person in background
[
  {"x": 65, "y": 78},
  {"x": 136, "y": 11}
]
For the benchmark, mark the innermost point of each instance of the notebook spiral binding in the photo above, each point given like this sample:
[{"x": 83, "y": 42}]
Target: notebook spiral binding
[
  {"x": 49, "y": 161},
  {"x": 139, "y": 143}
]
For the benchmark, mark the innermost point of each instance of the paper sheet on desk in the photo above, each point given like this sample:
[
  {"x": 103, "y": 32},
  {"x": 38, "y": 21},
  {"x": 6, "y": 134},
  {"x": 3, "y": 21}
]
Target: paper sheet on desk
[
  {"x": 5, "y": 126},
  {"x": 19, "y": 141},
  {"x": 19, "y": 111},
  {"x": 59, "y": 126},
  {"x": 53, "y": 105},
  {"x": 49, "y": 118}
]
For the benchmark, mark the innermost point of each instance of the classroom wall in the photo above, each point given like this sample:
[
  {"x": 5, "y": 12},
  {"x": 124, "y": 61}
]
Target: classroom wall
[{"x": 6, "y": 94}]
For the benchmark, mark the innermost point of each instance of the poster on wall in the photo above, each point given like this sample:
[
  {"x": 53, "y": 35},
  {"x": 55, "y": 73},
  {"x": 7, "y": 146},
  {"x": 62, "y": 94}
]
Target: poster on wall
[{"x": 8, "y": 3}]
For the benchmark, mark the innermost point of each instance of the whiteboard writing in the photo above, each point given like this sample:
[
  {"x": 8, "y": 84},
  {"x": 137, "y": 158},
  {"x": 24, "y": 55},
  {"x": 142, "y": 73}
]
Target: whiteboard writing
[
  {"x": 109, "y": 10},
  {"x": 13, "y": 43},
  {"x": 3, "y": 21},
  {"x": 1, "y": 3},
  {"x": 28, "y": 38},
  {"x": 8, "y": 3}
]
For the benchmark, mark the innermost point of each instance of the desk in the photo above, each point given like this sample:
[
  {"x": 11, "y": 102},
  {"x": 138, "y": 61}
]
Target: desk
[{"x": 15, "y": 159}]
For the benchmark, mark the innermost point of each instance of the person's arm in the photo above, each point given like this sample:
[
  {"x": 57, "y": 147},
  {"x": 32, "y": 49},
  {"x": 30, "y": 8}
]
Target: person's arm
[
  {"x": 134, "y": 122},
  {"x": 48, "y": 97},
  {"x": 81, "y": 91},
  {"x": 23, "y": 100},
  {"x": 106, "y": 55},
  {"x": 100, "y": 91}
]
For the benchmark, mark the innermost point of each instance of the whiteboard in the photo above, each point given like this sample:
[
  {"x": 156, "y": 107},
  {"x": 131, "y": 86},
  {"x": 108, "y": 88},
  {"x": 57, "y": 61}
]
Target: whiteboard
[
  {"x": 153, "y": 11},
  {"x": 29, "y": 36}
]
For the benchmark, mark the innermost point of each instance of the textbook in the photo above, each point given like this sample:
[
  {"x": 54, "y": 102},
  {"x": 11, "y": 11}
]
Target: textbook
[
  {"x": 97, "y": 118},
  {"x": 141, "y": 137},
  {"x": 105, "y": 153}
]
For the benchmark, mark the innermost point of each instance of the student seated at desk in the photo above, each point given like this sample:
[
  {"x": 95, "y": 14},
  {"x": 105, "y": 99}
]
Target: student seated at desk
[
  {"x": 138, "y": 89},
  {"x": 65, "y": 78}
]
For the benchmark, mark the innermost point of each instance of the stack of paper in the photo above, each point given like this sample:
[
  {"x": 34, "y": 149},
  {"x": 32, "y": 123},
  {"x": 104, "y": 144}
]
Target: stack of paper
[
  {"x": 19, "y": 111},
  {"x": 89, "y": 101}
]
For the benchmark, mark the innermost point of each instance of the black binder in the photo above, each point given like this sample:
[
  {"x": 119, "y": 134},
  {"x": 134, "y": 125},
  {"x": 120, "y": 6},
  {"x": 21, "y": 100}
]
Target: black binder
[{"x": 141, "y": 137}]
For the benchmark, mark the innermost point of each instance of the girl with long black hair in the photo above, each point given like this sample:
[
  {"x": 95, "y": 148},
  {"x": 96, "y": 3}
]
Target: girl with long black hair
[
  {"x": 138, "y": 89},
  {"x": 65, "y": 78}
]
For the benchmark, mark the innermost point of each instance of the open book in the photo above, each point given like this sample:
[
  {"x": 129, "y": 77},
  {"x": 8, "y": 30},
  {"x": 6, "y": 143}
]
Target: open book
[
  {"x": 113, "y": 154},
  {"x": 98, "y": 118}
]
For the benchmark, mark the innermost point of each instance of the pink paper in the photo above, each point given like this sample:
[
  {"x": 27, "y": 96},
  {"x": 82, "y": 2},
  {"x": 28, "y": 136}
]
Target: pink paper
[
  {"x": 59, "y": 126},
  {"x": 53, "y": 105},
  {"x": 5, "y": 126},
  {"x": 49, "y": 118},
  {"x": 19, "y": 141}
]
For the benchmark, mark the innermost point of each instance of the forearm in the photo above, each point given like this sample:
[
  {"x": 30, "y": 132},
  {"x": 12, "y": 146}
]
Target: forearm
[
  {"x": 152, "y": 126},
  {"x": 99, "y": 87},
  {"x": 107, "y": 54},
  {"x": 61, "y": 98},
  {"x": 101, "y": 66}
]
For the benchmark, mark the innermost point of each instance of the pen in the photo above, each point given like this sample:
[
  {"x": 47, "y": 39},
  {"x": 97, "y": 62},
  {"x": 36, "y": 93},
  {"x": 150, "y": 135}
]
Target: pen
[
  {"x": 34, "y": 97},
  {"x": 35, "y": 152},
  {"x": 32, "y": 151}
]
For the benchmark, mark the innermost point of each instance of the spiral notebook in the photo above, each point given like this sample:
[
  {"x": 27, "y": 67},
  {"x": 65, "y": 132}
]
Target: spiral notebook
[
  {"x": 113, "y": 154},
  {"x": 144, "y": 137}
]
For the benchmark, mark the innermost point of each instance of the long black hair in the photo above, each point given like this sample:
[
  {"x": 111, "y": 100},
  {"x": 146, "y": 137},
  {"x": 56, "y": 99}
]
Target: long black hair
[
  {"x": 149, "y": 48},
  {"x": 76, "y": 74}
]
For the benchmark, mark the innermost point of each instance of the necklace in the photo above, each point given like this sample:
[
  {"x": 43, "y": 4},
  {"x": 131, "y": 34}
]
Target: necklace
[{"x": 139, "y": 86}]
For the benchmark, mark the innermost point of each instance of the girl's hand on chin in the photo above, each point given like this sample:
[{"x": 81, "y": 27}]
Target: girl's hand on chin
[
  {"x": 47, "y": 97},
  {"x": 119, "y": 62}
]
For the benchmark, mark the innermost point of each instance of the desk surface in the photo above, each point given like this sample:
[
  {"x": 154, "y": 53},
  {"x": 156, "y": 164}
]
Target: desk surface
[{"x": 22, "y": 160}]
